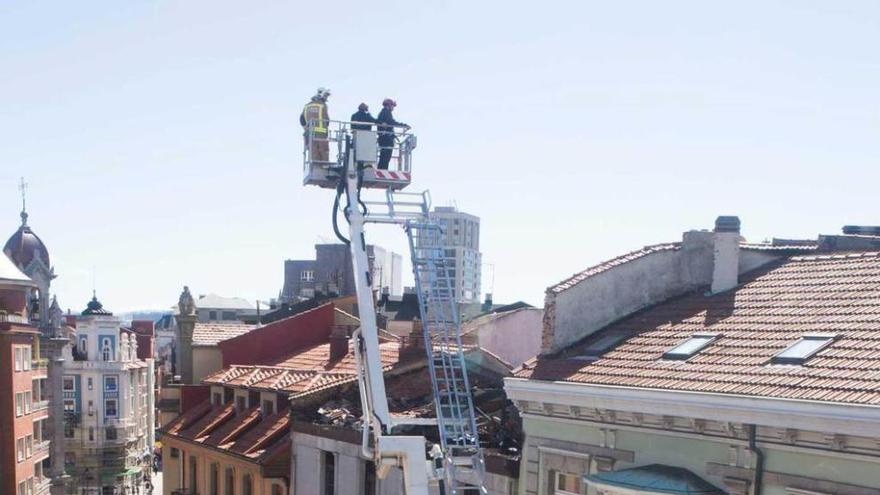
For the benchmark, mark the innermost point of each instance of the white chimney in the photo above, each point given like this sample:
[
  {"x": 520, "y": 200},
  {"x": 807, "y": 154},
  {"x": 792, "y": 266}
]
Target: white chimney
[{"x": 725, "y": 273}]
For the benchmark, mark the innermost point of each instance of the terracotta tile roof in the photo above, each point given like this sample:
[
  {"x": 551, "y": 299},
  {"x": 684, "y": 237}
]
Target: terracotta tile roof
[
  {"x": 228, "y": 432},
  {"x": 260, "y": 437},
  {"x": 607, "y": 265},
  {"x": 187, "y": 419},
  {"x": 303, "y": 371},
  {"x": 209, "y": 422},
  {"x": 209, "y": 334},
  {"x": 774, "y": 306}
]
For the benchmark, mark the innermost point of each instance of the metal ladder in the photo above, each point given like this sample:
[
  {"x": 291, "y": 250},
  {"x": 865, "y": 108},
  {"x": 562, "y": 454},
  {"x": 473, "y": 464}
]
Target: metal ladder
[
  {"x": 435, "y": 286},
  {"x": 464, "y": 467}
]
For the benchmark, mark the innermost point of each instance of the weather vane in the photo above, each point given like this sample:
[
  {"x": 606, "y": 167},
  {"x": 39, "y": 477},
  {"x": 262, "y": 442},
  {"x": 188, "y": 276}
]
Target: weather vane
[{"x": 22, "y": 186}]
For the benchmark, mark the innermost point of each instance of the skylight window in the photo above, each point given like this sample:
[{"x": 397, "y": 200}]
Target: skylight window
[
  {"x": 803, "y": 349},
  {"x": 690, "y": 346},
  {"x": 603, "y": 345}
]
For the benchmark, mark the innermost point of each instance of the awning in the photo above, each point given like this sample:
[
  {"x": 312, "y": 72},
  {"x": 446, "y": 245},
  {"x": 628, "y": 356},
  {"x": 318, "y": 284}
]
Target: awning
[{"x": 653, "y": 479}]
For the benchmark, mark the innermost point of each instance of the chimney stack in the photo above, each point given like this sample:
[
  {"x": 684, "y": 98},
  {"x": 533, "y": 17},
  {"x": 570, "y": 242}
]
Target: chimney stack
[
  {"x": 725, "y": 272},
  {"x": 414, "y": 344},
  {"x": 338, "y": 342},
  {"x": 487, "y": 304}
]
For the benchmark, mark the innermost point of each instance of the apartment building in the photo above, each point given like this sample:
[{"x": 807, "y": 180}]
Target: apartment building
[
  {"x": 108, "y": 404},
  {"x": 24, "y": 414},
  {"x": 461, "y": 244}
]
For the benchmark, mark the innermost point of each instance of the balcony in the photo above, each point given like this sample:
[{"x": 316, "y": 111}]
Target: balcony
[
  {"x": 42, "y": 486},
  {"x": 40, "y": 405},
  {"x": 41, "y": 448},
  {"x": 13, "y": 318},
  {"x": 40, "y": 364}
]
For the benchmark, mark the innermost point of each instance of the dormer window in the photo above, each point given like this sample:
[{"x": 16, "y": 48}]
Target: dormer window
[
  {"x": 691, "y": 346},
  {"x": 803, "y": 349}
]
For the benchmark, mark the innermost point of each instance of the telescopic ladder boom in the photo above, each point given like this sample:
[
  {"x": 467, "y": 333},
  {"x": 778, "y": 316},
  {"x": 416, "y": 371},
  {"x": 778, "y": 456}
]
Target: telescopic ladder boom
[{"x": 458, "y": 453}]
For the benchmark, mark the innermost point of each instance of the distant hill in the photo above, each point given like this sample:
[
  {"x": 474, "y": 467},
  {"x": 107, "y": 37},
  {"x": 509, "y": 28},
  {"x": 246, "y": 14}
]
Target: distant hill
[{"x": 147, "y": 314}]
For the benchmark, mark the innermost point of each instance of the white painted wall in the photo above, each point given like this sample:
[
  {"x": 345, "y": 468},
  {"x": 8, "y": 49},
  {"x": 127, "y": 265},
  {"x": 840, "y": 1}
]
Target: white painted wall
[{"x": 514, "y": 337}]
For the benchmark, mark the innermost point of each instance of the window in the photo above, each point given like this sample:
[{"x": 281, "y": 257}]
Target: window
[
  {"x": 214, "y": 480},
  {"x": 19, "y": 404},
  {"x": 106, "y": 351},
  {"x": 229, "y": 315},
  {"x": 21, "y": 488},
  {"x": 566, "y": 484},
  {"x": 26, "y": 358},
  {"x": 212, "y": 315},
  {"x": 216, "y": 398},
  {"x": 268, "y": 408},
  {"x": 277, "y": 490},
  {"x": 69, "y": 384},
  {"x": 329, "y": 473},
  {"x": 28, "y": 402},
  {"x": 110, "y": 433},
  {"x": 690, "y": 346},
  {"x": 68, "y": 429},
  {"x": 229, "y": 483},
  {"x": 240, "y": 403},
  {"x": 69, "y": 459},
  {"x": 110, "y": 408},
  {"x": 19, "y": 449},
  {"x": 110, "y": 384},
  {"x": 175, "y": 453},
  {"x": 803, "y": 349},
  {"x": 18, "y": 360},
  {"x": 369, "y": 478},
  {"x": 193, "y": 475},
  {"x": 29, "y": 446},
  {"x": 91, "y": 433},
  {"x": 247, "y": 485},
  {"x": 30, "y": 486},
  {"x": 90, "y": 383},
  {"x": 83, "y": 342},
  {"x": 307, "y": 275}
]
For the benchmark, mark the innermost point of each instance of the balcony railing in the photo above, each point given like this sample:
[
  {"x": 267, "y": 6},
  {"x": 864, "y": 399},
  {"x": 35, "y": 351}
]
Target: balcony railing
[
  {"x": 40, "y": 364},
  {"x": 40, "y": 405},
  {"x": 13, "y": 318},
  {"x": 41, "y": 447},
  {"x": 42, "y": 486}
]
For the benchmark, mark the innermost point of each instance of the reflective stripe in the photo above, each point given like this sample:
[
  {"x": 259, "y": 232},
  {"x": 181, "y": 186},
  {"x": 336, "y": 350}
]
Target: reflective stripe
[{"x": 314, "y": 112}]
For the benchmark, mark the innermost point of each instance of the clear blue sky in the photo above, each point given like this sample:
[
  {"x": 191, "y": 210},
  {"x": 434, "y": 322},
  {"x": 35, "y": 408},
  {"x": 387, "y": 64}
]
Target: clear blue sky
[{"x": 162, "y": 145}]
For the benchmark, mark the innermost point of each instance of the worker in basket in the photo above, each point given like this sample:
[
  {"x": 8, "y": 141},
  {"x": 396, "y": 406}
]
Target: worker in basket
[
  {"x": 362, "y": 120},
  {"x": 315, "y": 114},
  {"x": 385, "y": 127}
]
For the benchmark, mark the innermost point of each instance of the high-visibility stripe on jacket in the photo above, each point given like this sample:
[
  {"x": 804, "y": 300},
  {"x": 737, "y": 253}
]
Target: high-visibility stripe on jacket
[{"x": 314, "y": 112}]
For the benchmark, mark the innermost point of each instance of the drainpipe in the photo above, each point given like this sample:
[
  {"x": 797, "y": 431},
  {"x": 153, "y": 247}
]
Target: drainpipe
[{"x": 759, "y": 460}]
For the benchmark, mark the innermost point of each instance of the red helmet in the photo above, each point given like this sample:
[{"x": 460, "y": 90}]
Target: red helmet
[{"x": 388, "y": 102}]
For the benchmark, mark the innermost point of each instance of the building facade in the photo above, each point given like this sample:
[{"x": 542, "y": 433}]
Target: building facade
[
  {"x": 711, "y": 366},
  {"x": 108, "y": 404},
  {"x": 331, "y": 273},
  {"x": 24, "y": 414},
  {"x": 462, "y": 244}
]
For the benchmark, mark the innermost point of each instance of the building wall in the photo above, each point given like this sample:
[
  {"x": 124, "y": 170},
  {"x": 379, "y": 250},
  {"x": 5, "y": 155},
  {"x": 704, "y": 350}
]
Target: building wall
[
  {"x": 605, "y": 297},
  {"x": 307, "y": 467},
  {"x": 514, "y": 337},
  {"x": 577, "y": 446},
  {"x": 14, "y": 427},
  {"x": 176, "y": 471},
  {"x": 206, "y": 360},
  {"x": 462, "y": 242}
]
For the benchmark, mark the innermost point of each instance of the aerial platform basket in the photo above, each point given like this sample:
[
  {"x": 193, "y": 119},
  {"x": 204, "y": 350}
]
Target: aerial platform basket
[{"x": 324, "y": 155}]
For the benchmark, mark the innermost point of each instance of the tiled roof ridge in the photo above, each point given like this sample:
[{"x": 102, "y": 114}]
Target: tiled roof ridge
[
  {"x": 611, "y": 263},
  {"x": 836, "y": 255}
]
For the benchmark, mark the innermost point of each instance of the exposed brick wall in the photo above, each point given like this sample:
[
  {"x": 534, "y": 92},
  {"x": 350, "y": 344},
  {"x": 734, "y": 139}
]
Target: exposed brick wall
[
  {"x": 144, "y": 333},
  {"x": 549, "y": 322}
]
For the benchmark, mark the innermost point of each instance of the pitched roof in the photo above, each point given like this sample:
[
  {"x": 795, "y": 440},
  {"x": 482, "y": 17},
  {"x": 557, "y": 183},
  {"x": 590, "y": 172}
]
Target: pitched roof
[
  {"x": 775, "y": 305},
  {"x": 301, "y": 372},
  {"x": 208, "y": 334}
]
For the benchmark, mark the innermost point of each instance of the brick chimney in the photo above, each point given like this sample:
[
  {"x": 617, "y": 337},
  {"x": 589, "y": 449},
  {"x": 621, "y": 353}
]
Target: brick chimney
[
  {"x": 338, "y": 342},
  {"x": 413, "y": 346},
  {"x": 725, "y": 270}
]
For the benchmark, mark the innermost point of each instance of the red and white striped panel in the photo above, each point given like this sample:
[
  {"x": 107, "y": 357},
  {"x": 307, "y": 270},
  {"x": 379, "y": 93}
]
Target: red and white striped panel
[{"x": 390, "y": 175}]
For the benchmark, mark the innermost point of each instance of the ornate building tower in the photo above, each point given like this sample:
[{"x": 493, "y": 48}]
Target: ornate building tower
[{"x": 29, "y": 253}]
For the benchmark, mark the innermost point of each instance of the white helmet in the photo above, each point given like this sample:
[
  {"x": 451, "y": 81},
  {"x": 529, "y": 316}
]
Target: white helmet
[{"x": 323, "y": 92}]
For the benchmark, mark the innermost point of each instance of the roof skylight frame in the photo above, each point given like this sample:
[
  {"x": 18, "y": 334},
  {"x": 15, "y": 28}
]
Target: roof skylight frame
[
  {"x": 807, "y": 346},
  {"x": 692, "y": 346}
]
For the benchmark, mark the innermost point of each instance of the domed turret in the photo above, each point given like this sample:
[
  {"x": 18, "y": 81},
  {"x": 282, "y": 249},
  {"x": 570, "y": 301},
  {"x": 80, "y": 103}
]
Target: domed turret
[
  {"x": 25, "y": 246},
  {"x": 95, "y": 308}
]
